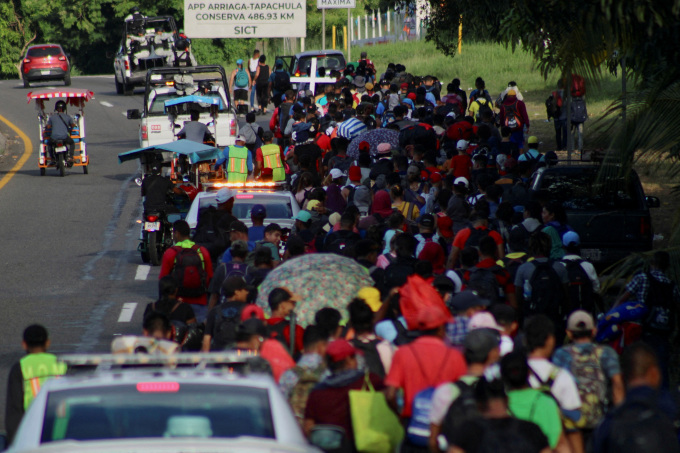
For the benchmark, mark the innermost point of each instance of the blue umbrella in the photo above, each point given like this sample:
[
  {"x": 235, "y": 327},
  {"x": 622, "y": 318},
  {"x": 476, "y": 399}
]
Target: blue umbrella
[{"x": 196, "y": 152}]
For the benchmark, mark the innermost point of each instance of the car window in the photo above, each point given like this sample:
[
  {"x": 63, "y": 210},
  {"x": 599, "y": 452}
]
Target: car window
[
  {"x": 44, "y": 52},
  {"x": 157, "y": 409},
  {"x": 277, "y": 207},
  {"x": 581, "y": 190},
  {"x": 157, "y": 105},
  {"x": 327, "y": 61}
]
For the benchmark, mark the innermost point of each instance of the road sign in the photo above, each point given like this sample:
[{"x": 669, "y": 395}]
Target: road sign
[
  {"x": 245, "y": 19},
  {"x": 332, "y": 4}
]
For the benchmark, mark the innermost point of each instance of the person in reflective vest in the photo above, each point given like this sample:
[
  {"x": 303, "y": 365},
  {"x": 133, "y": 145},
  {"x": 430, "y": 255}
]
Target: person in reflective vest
[
  {"x": 28, "y": 375},
  {"x": 269, "y": 156},
  {"x": 237, "y": 160}
]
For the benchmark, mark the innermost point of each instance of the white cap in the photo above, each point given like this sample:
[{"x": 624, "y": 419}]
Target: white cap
[
  {"x": 240, "y": 138},
  {"x": 462, "y": 144},
  {"x": 462, "y": 180},
  {"x": 336, "y": 173},
  {"x": 224, "y": 195}
]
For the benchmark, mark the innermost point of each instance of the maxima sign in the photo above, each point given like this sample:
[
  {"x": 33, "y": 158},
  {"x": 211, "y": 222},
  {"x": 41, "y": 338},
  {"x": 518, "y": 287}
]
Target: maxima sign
[
  {"x": 245, "y": 19},
  {"x": 330, "y": 4}
]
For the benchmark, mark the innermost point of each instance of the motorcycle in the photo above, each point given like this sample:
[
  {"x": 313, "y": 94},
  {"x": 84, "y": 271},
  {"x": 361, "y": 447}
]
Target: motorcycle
[
  {"x": 59, "y": 153},
  {"x": 156, "y": 236}
]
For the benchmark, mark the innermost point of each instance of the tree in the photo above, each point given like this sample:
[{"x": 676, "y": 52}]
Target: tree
[{"x": 16, "y": 33}]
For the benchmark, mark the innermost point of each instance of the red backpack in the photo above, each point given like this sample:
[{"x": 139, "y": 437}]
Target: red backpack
[{"x": 189, "y": 271}]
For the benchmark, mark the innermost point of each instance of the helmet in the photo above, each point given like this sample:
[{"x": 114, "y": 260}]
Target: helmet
[
  {"x": 60, "y": 106},
  {"x": 204, "y": 85}
]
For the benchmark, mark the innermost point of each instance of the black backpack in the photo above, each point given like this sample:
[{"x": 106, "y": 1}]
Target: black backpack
[
  {"x": 371, "y": 355},
  {"x": 552, "y": 105},
  {"x": 546, "y": 292},
  {"x": 227, "y": 321},
  {"x": 462, "y": 409},
  {"x": 512, "y": 264},
  {"x": 660, "y": 301},
  {"x": 234, "y": 269},
  {"x": 581, "y": 294},
  {"x": 403, "y": 336},
  {"x": 483, "y": 108},
  {"x": 341, "y": 244},
  {"x": 276, "y": 332},
  {"x": 189, "y": 271},
  {"x": 579, "y": 114},
  {"x": 281, "y": 81},
  {"x": 484, "y": 281},
  {"x": 476, "y": 236}
]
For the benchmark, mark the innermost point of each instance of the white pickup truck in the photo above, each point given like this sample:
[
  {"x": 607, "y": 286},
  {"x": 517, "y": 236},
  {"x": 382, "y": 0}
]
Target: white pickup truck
[{"x": 203, "y": 89}]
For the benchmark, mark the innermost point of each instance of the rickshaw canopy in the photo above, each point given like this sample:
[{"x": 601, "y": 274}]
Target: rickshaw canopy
[
  {"x": 195, "y": 152},
  {"x": 212, "y": 100},
  {"x": 71, "y": 93}
]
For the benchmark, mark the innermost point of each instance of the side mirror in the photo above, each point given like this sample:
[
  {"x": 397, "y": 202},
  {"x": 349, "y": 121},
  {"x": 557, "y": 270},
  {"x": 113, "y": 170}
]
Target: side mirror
[
  {"x": 133, "y": 114},
  {"x": 653, "y": 202}
]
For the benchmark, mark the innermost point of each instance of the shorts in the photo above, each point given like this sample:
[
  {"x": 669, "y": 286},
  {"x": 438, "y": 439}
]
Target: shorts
[{"x": 240, "y": 94}]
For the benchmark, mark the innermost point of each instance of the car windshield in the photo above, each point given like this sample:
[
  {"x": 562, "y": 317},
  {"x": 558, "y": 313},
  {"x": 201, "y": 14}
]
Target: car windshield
[
  {"x": 157, "y": 101},
  {"x": 44, "y": 52},
  {"x": 323, "y": 61},
  {"x": 581, "y": 190},
  {"x": 157, "y": 409},
  {"x": 277, "y": 207}
]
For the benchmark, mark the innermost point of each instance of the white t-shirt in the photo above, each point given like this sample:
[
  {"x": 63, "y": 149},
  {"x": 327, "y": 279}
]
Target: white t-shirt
[
  {"x": 588, "y": 268},
  {"x": 563, "y": 389},
  {"x": 253, "y": 63}
]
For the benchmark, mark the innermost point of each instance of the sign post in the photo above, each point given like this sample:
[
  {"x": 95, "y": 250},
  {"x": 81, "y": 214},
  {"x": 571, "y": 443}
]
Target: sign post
[{"x": 323, "y": 5}]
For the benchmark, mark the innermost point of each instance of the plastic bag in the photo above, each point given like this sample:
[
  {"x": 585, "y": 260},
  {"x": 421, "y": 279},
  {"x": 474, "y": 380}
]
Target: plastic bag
[{"x": 416, "y": 294}]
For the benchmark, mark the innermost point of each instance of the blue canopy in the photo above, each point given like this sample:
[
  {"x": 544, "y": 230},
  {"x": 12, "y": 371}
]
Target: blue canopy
[
  {"x": 196, "y": 152},
  {"x": 212, "y": 100}
]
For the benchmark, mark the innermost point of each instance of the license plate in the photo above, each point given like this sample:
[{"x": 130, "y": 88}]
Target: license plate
[
  {"x": 591, "y": 254},
  {"x": 60, "y": 149},
  {"x": 45, "y": 72},
  {"x": 152, "y": 226}
]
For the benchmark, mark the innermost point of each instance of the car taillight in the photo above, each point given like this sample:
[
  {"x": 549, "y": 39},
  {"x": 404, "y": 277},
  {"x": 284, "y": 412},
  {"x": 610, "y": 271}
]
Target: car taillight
[
  {"x": 62, "y": 58},
  {"x": 645, "y": 226},
  {"x": 145, "y": 134},
  {"x": 232, "y": 127},
  {"x": 297, "y": 74},
  {"x": 158, "y": 387},
  {"x": 27, "y": 60},
  {"x": 127, "y": 65},
  {"x": 151, "y": 218}
]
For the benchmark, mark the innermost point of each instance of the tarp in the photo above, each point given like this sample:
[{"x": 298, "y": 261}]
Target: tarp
[
  {"x": 212, "y": 100},
  {"x": 196, "y": 152},
  {"x": 65, "y": 93}
]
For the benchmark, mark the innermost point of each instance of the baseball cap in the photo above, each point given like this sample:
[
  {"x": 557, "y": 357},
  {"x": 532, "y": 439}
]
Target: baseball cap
[
  {"x": 303, "y": 216},
  {"x": 258, "y": 210},
  {"x": 479, "y": 343},
  {"x": 384, "y": 148},
  {"x": 338, "y": 350},
  {"x": 484, "y": 320},
  {"x": 461, "y": 180},
  {"x": 411, "y": 96},
  {"x": 431, "y": 317},
  {"x": 579, "y": 321},
  {"x": 279, "y": 62},
  {"x": 404, "y": 86},
  {"x": 336, "y": 173},
  {"x": 369, "y": 86},
  {"x": 468, "y": 299},
  {"x": 354, "y": 173},
  {"x": 445, "y": 226},
  {"x": 311, "y": 204},
  {"x": 512, "y": 93},
  {"x": 224, "y": 195},
  {"x": 239, "y": 61},
  {"x": 384, "y": 82},
  {"x": 571, "y": 237},
  {"x": 371, "y": 296},
  {"x": 462, "y": 144},
  {"x": 238, "y": 226},
  {"x": 359, "y": 81},
  {"x": 427, "y": 220},
  {"x": 240, "y": 138},
  {"x": 252, "y": 311},
  {"x": 532, "y": 140}
]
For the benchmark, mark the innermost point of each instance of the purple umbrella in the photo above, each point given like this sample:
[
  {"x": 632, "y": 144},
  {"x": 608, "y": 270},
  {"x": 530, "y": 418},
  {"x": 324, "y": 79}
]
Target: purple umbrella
[{"x": 374, "y": 138}]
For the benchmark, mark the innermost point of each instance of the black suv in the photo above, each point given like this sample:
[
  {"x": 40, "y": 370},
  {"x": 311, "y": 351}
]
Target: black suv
[{"x": 609, "y": 211}]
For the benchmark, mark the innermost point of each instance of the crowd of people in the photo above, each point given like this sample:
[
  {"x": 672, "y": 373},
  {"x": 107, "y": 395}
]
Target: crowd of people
[{"x": 480, "y": 325}]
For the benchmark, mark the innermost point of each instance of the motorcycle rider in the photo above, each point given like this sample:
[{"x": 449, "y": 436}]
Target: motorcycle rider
[
  {"x": 61, "y": 124},
  {"x": 194, "y": 130},
  {"x": 155, "y": 189}
]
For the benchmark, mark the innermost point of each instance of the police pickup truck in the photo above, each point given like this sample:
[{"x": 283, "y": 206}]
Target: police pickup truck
[{"x": 171, "y": 94}]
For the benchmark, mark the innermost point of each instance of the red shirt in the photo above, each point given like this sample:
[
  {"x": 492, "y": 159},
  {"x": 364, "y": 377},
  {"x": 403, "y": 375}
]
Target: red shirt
[
  {"x": 461, "y": 165},
  {"x": 464, "y": 234},
  {"x": 502, "y": 275},
  {"x": 299, "y": 332},
  {"x": 427, "y": 362},
  {"x": 168, "y": 263},
  {"x": 324, "y": 141}
]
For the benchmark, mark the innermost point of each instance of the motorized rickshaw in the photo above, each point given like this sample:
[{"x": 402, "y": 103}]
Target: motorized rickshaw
[
  {"x": 180, "y": 161},
  {"x": 57, "y": 157}
]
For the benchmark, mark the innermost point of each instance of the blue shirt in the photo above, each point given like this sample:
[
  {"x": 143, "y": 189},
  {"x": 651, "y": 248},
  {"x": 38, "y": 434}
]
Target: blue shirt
[
  {"x": 256, "y": 233},
  {"x": 227, "y": 258},
  {"x": 225, "y": 158}
]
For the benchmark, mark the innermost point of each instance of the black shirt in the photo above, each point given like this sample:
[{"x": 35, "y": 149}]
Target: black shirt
[
  {"x": 174, "y": 309},
  {"x": 155, "y": 188},
  {"x": 500, "y": 435}
]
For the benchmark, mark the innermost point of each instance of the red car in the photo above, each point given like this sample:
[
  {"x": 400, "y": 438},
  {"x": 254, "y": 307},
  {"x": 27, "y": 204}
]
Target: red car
[{"x": 45, "y": 62}]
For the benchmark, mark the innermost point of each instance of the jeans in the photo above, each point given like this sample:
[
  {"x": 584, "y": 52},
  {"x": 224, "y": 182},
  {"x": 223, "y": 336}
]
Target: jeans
[
  {"x": 252, "y": 91},
  {"x": 577, "y": 130},
  {"x": 560, "y": 134},
  {"x": 518, "y": 137}
]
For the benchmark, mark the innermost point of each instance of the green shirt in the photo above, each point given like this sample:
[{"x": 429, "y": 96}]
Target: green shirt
[{"x": 534, "y": 406}]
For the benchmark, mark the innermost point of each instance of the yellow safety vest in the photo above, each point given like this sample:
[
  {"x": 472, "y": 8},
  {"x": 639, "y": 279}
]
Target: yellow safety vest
[
  {"x": 35, "y": 370},
  {"x": 271, "y": 154},
  {"x": 237, "y": 166}
]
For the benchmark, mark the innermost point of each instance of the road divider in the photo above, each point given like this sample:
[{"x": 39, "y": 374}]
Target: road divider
[{"x": 28, "y": 149}]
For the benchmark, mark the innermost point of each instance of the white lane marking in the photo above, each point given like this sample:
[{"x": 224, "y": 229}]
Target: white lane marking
[
  {"x": 125, "y": 114},
  {"x": 127, "y": 312},
  {"x": 142, "y": 272},
  {"x": 106, "y": 104}
]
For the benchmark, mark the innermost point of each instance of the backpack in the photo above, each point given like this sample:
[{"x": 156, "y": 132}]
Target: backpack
[
  {"x": 508, "y": 439},
  {"x": 512, "y": 264},
  {"x": 591, "y": 382},
  {"x": 371, "y": 356},
  {"x": 661, "y": 317},
  {"x": 546, "y": 292},
  {"x": 418, "y": 429},
  {"x": 341, "y": 245},
  {"x": 403, "y": 336},
  {"x": 241, "y": 80},
  {"x": 513, "y": 119},
  {"x": 307, "y": 379},
  {"x": 235, "y": 270},
  {"x": 484, "y": 281},
  {"x": 579, "y": 114},
  {"x": 580, "y": 287},
  {"x": 189, "y": 271},
  {"x": 276, "y": 332},
  {"x": 227, "y": 321},
  {"x": 553, "y": 105},
  {"x": 476, "y": 236},
  {"x": 281, "y": 81},
  {"x": 482, "y": 108},
  {"x": 578, "y": 86},
  {"x": 463, "y": 408}
]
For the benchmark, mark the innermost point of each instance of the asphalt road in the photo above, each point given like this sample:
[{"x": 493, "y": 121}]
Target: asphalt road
[{"x": 69, "y": 258}]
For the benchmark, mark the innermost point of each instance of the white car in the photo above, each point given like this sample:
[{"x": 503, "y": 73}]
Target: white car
[
  {"x": 167, "y": 410},
  {"x": 281, "y": 206}
]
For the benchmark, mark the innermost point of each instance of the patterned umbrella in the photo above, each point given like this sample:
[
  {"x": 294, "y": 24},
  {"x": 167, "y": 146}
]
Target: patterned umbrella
[
  {"x": 374, "y": 138},
  {"x": 320, "y": 279}
]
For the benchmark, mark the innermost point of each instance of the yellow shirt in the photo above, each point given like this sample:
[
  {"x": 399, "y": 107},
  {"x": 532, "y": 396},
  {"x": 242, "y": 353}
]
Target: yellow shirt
[{"x": 474, "y": 106}]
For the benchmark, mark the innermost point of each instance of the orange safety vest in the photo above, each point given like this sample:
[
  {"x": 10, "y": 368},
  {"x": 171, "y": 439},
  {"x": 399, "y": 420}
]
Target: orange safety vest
[{"x": 237, "y": 168}]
